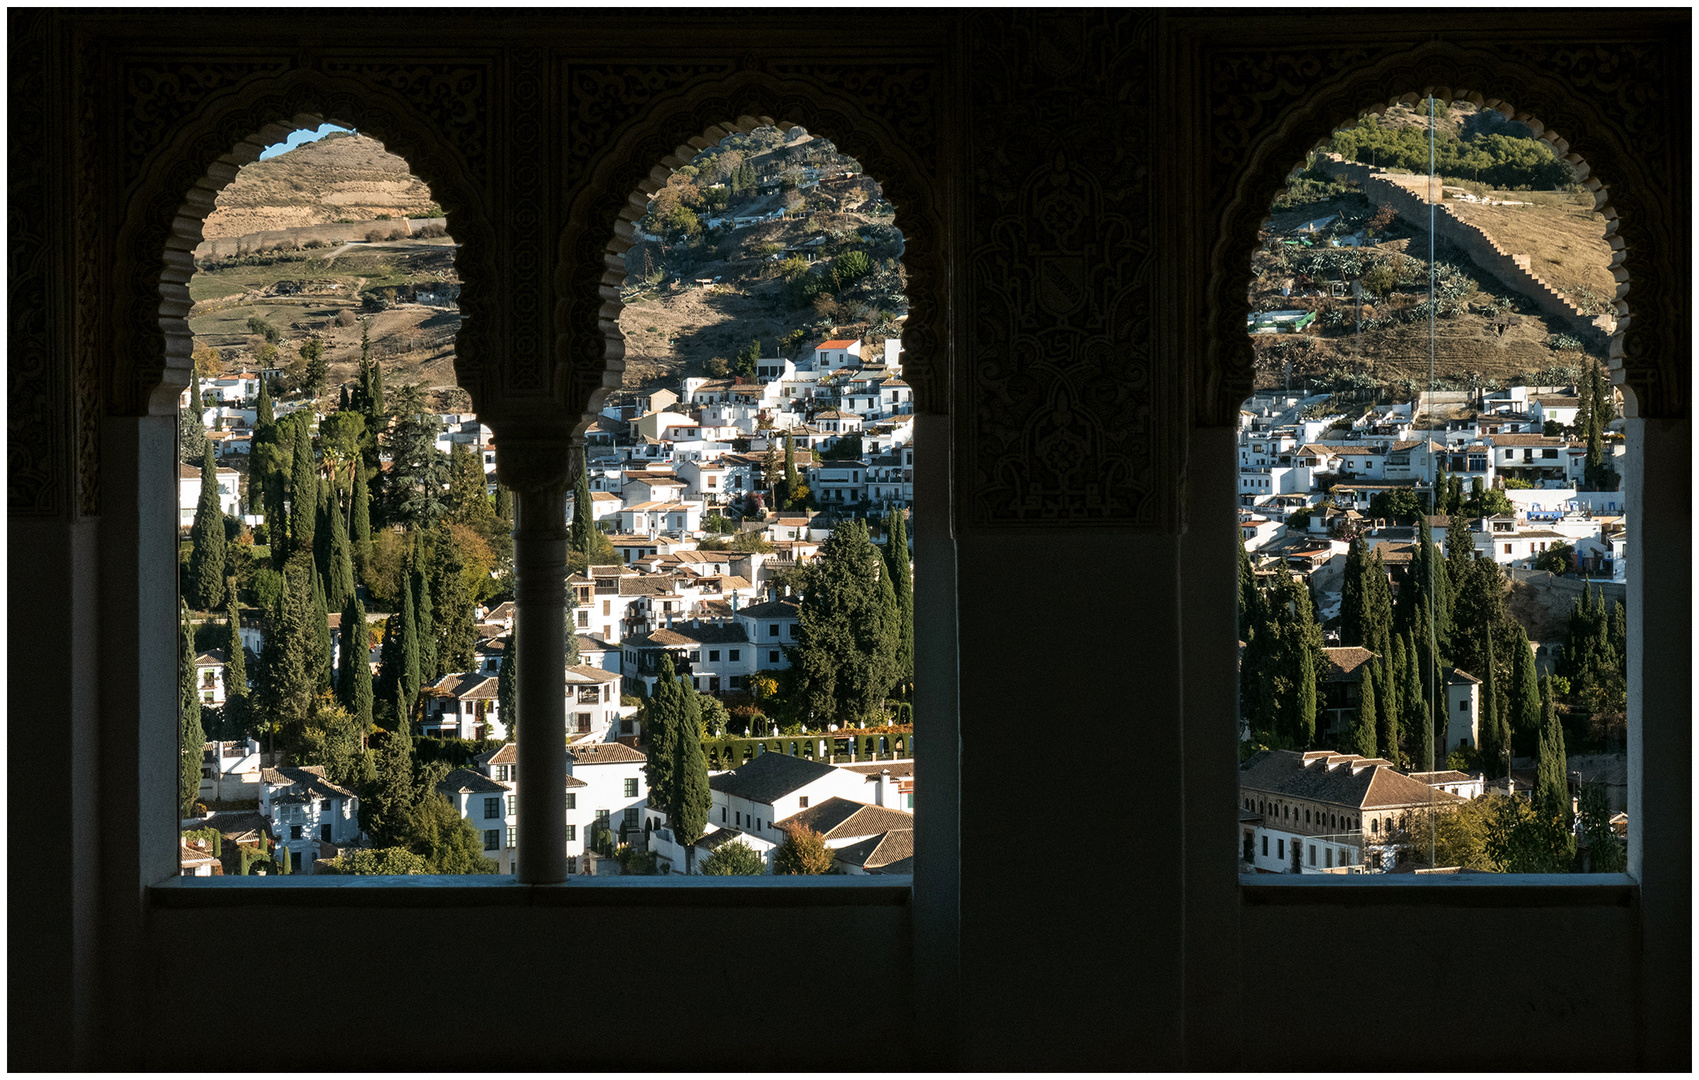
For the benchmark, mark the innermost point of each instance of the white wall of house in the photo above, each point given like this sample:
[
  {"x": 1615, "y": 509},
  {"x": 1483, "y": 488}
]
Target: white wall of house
[
  {"x": 1463, "y": 716},
  {"x": 617, "y": 787}
]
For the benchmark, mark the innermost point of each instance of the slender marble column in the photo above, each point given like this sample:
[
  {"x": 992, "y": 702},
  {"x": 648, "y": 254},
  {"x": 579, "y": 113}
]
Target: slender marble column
[{"x": 539, "y": 638}]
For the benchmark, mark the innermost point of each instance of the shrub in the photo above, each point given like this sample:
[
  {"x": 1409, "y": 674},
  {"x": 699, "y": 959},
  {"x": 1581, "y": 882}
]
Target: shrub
[{"x": 734, "y": 858}]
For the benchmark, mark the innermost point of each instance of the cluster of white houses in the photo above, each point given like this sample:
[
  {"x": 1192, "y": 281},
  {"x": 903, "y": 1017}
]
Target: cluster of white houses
[
  {"x": 658, "y": 466},
  {"x": 1326, "y": 472}
]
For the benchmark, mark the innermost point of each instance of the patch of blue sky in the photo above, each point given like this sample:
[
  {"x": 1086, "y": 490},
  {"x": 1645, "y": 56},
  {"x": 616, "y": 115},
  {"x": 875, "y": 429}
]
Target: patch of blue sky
[{"x": 296, "y": 138}]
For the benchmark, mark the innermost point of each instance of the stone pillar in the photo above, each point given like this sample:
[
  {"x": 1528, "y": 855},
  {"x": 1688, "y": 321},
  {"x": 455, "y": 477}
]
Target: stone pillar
[{"x": 536, "y": 470}]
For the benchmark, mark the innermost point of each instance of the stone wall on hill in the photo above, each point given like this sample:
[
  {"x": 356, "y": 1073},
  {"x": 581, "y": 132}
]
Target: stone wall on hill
[
  {"x": 227, "y": 246},
  {"x": 1512, "y": 269}
]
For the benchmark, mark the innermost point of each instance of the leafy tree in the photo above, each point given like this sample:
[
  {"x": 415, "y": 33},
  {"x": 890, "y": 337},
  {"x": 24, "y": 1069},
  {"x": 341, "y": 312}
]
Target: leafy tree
[
  {"x": 468, "y": 498},
  {"x": 389, "y": 861},
  {"x": 341, "y": 439},
  {"x": 1551, "y": 776},
  {"x": 1602, "y": 852},
  {"x": 716, "y": 718},
  {"x": 191, "y": 741},
  {"x": 261, "y": 328},
  {"x": 845, "y": 658},
  {"x": 1520, "y": 841},
  {"x": 336, "y": 741},
  {"x": 206, "y": 587},
  {"x": 1557, "y": 559},
  {"x": 312, "y": 351},
  {"x": 734, "y": 858},
  {"x": 447, "y": 842},
  {"x": 803, "y": 851},
  {"x": 418, "y": 470},
  {"x": 387, "y": 810}
]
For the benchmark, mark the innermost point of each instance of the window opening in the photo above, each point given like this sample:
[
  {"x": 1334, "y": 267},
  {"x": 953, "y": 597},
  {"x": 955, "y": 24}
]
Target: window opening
[
  {"x": 344, "y": 552},
  {"x": 1429, "y": 630}
]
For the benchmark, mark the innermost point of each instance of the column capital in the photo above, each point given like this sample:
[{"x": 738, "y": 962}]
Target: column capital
[{"x": 534, "y": 462}]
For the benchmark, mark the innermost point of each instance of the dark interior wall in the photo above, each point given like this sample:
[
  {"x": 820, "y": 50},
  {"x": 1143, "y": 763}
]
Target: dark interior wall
[{"x": 1074, "y": 169}]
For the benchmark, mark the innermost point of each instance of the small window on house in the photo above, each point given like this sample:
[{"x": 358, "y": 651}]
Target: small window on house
[
  {"x": 572, "y": 800},
  {"x": 631, "y": 788},
  {"x": 571, "y": 830},
  {"x": 802, "y": 802}
]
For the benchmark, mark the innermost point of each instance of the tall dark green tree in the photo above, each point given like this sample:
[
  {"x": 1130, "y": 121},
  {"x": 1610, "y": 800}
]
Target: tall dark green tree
[
  {"x": 583, "y": 510},
  {"x": 354, "y": 686},
  {"x": 191, "y": 742},
  {"x": 1523, "y": 700},
  {"x": 1353, "y": 606},
  {"x": 845, "y": 658},
  {"x": 504, "y": 505},
  {"x": 1414, "y": 706},
  {"x": 902, "y": 584},
  {"x": 1494, "y": 736},
  {"x": 235, "y": 665},
  {"x": 207, "y": 569},
  {"x": 289, "y": 682},
  {"x": 303, "y": 488},
  {"x": 688, "y": 815},
  {"x": 424, "y": 614},
  {"x": 1363, "y": 731},
  {"x": 323, "y": 650},
  {"x": 1392, "y": 713},
  {"x": 339, "y": 560},
  {"x": 792, "y": 480},
  {"x": 360, "y": 522},
  {"x": 418, "y": 471},
  {"x": 387, "y": 810},
  {"x": 408, "y": 682},
  {"x": 507, "y": 690},
  {"x": 1551, "y": 775},
  {"x": 312, "y": 351},
  {"x": 191, "y": 428},
  {"x": 458, "y": 636},
  {"x": 468, "y": 497},
  {"x": 665, "y": 716}
]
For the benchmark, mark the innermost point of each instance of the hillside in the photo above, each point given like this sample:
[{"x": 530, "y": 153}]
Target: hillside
[
  {"x": 1484, "y": 331},
  {"x": 336, "y": 178},
  {"x": 702, "y": 287}
]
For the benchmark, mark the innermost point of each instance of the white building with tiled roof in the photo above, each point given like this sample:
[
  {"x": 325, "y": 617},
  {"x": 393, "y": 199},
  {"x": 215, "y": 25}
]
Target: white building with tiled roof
[
  {"x": 310, "y": 816},
  {"x": 488, "y": 804},
  {"x": 463, "y": 705},
  {"x": 837, "y": 353},
  {"x": 189, "y": 492}
]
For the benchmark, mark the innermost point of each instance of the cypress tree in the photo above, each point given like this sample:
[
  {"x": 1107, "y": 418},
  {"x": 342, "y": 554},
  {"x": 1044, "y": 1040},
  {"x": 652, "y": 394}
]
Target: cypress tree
[
  {"x": 1425, "y": 752},
  {"x": 1306, "y": 708},
  {"x": 845, "y": 656},
  {"x": 459, "y": 633},
  {"x": 1414, "y": 706},
  {"x": 321, "y": 534},
  {"x": 1363, "y": 734},
  {"x": 191, "y": 744},
  {"x": 323, "y": 675},
  {"x": 1250, "y": 598},
  {"x": 407, "y": 684},
  {"x": 236, "y": 657},
  {"x": 792, "y": 480},
  {"x": 424, "y": 623},
  {"x": 688, "y": 815},
  {"x": 354, "y": 687},
  {"x": 1551, "y": 778},
  {"x": 264, "y": 414},
  {"x": 207, "y": 543},
  {"x": 339, "y": 568},
  {"x": 1377, "y": 607},
  {"x": 391, "y": 668},
  {"x": 665, "y": 713},
  {"x": 303, "y": 489},
  {"x": 468, "y": 496},
  {"x": 507, "y": 690},
  {"x": 1460, "y": 552},
  {"x": 902, "y": 583},
  {"x": 583, "y": 511},
  {"x": 342, "y": 402},
  {"x": 1353, "y": 611},
  {"x": 360, "y": 521},
  {"x": 1524, "y": 696},
  {"x": 504, "y": 504},
  {"x": 289, "y": 675},
  {"x": 387, "y": 810},
  {"x": 1393, "y": 710},
  {"x": 1494, "y": 736}
]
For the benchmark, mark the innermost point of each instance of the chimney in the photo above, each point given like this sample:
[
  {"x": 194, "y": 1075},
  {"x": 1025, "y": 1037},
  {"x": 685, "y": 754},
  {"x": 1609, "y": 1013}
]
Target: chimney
[{"x": 883, "y": 786}]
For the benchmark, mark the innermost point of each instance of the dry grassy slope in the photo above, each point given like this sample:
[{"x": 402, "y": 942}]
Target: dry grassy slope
[{"x": 339, "y": 176}]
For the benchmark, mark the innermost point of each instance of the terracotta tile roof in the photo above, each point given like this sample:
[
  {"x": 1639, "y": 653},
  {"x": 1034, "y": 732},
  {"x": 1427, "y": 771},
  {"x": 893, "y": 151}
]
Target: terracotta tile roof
[
  {"x": 606, "y": 753},
  {"x": 210, "y": 658},
  {"x": 469, "y": 781},
  {"x": 684, "y": 636},
  {"x": 1447, "y": 776},
  {"x": 1528, "y": 440},
  {"x": 839, "y": 817},
  {"x": 1344, "y": 663},
  {"x": 584, "y": 673},
  {"x": 1459, "y": 676},
  {"x": 836, "y": 343},
  {"x": 464, "y": 685},
  {"x": 898, "y": 769},
  {"x": 1340, "y": 779},
  {"x": 888, "y": 853},
  {"x": 309, "y": 779},
  {"x": 769, "y": 777}
]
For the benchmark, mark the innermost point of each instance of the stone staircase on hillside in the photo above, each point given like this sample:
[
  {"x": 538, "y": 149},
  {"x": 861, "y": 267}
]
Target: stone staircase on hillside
[{"x": 1514, "y": 270}]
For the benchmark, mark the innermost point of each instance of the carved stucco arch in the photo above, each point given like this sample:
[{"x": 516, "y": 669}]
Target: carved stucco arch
[
  {"x": 1647, "y": 354},
  {"x": 589, "y": 347},
  {"x": 164, "y": 213}
]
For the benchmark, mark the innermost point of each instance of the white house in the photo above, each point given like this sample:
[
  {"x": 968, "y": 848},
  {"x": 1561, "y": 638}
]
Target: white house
[
  {"x": 661, "y": 516},
  {"x": 771, "y": 787},
  {"x": 463, "y": 705},
  {"x": 189, "y": 492},
  {"x": 310, "y": 816},
  {"x": 837, "y": 353},
  {"x": 1463, "y": 712},
  {"x": 501, "y": 766},
  {"x": 489, "y": 805},
  {"x": 592, "y": 704},
  {"x": 209, "y": 676},
  {"x": 615, "y": 794},
  {"x": 230, "y": 770}
]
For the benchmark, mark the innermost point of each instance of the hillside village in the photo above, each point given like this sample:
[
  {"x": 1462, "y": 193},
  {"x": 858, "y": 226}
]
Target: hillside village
[
  {"x": 348, "y": 562},
  {"x": 1432, "y": 571}
]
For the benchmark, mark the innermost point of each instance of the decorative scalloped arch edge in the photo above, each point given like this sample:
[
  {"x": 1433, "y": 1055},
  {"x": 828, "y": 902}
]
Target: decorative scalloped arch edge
[
  {"x": 150, "y": 370},
  {"x": 590, "y": 348},
  {"x": 1638, "y": 363}
]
